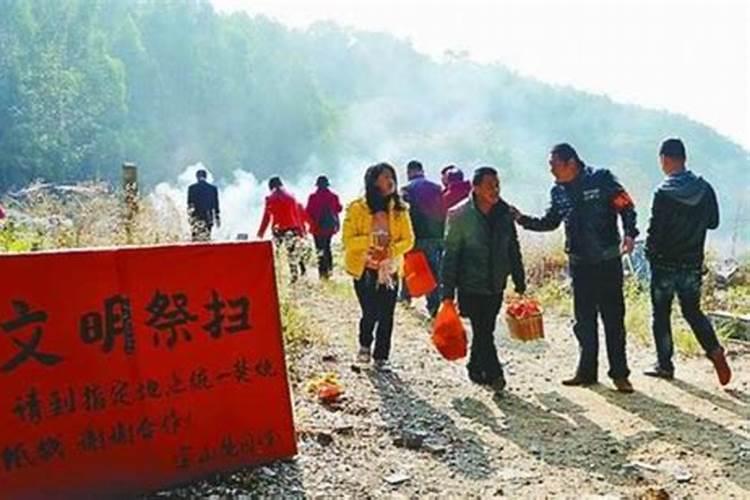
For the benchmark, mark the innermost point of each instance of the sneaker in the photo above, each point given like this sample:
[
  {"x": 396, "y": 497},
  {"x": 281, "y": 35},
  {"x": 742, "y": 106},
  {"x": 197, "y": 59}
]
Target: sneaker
[
  {"x": 579, "y": 381},
  {"x": 623, "y": 385},
  {"x": 382, "y": 365},
  {"x": 659, "y": 372},
  {"x": 363, "y": 356},
  {"x": 721, "y": 366}
]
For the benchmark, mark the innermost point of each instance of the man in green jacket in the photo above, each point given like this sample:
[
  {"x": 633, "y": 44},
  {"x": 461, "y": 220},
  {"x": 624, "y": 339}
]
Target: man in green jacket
[{"x": 481, "y": 251}]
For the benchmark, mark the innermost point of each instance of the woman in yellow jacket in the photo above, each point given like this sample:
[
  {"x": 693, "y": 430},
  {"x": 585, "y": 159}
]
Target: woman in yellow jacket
[{"x": 377, "y": 233}]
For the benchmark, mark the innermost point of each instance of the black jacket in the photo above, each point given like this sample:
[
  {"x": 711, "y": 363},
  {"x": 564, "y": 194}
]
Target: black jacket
[
  {"x": 481, "y": 251},
  {"x": 684, "y": 208},
  {"x": 203, "y": 202},
  {"x": 589, "y": 206}
]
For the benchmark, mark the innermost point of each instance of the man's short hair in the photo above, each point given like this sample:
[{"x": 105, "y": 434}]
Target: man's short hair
[
  {"x": 480, "y": 173},
  {"x": 274, "y": 183},
  {"x": 414, "y": 166},
  {"x": 565, "y": 152},
  {"x": 673, "y": 148},
  {"x": 201, "y": 174}
]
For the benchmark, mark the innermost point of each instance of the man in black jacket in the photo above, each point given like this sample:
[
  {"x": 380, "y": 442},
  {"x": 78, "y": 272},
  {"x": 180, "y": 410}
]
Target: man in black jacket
[
  {"x": 203, "y": 207},
  {"x": 589, "y": 201},
  {"x": 684, "y": 208},
  {"x": 481, "y": 251}
]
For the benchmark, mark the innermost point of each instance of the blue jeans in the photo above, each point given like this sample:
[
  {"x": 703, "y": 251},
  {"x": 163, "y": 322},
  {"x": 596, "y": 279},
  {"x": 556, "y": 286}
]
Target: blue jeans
[
  {"x": 433, "y": 251},
  {"x": 686, "y": 284}
]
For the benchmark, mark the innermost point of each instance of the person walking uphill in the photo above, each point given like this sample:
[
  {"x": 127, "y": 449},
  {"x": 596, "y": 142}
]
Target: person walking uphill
[
  {"x": 589, "y": 200},
  {"x": 684, "y": 208},
  {"x": 287, "y": 220},
  {"x": 481, "y": 251},
  {"x": 203, "y": 207},
  {"x": 427, "y": 213},
  {"x": 323, "y": 208},
  {"x": 377, "y": 233}
]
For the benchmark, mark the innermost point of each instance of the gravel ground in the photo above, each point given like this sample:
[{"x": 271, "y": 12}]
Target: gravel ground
[{"x": 424, "y": 431}]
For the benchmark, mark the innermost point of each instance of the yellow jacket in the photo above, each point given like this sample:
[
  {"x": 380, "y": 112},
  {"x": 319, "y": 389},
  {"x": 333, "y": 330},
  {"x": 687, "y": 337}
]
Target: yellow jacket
[{"x": 357, "y": 236}]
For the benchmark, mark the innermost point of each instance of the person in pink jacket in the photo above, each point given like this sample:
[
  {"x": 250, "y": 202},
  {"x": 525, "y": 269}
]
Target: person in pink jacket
[
  {"x": 456, "y": 188},
  {"x": 323, "y": 209}
]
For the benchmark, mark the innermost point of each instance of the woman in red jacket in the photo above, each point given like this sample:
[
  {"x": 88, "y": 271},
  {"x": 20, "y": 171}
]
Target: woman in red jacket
[{"x": 323, "y": 209}]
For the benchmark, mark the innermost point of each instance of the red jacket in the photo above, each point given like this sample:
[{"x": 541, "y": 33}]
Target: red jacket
[
  {"x": 283, "y": 212},
  {"x": 324, "y": 207},
  {"x": 2, "y": 213},
  {"x": 455, "y": 193}
]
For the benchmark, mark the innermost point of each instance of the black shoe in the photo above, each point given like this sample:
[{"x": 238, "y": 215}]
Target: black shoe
[
  {"x": 623, "y": 385},
  {"x": 498, "y": 384},
  {"x": 579, "y": 381},
  {"x": 659, "y": 372}
]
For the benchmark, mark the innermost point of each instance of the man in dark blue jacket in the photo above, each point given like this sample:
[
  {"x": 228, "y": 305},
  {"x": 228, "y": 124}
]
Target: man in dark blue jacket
[
  {"x": 203, "y": 207},
  {"x": 588, "y": 201},
  {"x": 427, "y": 212},
  {"x": 683, "y": 210}
]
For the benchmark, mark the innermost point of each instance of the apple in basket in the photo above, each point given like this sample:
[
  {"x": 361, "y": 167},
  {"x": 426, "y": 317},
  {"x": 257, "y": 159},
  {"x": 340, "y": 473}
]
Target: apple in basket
[{"x": 523, "y": 308}]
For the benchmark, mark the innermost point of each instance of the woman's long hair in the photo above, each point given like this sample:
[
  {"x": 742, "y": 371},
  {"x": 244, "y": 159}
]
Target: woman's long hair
[{"x": 376, "y": 202}]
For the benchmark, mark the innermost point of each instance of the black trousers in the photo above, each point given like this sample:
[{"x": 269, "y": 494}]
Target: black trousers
[
  {"x": 597, "y": 290},
  {"x": 325, "y": 257},
  {"x": 378, "y": 304},
  {"x": 484, "y": 366}
]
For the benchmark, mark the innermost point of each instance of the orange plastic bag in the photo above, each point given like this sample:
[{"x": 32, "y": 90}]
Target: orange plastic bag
[
  {"x": 417, "y": 274},
  {"x": 449, "y": 335}
]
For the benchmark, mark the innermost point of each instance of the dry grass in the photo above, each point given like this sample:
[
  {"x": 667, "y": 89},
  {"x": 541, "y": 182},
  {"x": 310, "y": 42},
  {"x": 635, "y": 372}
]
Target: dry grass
[{"x": 44, "y": 217}]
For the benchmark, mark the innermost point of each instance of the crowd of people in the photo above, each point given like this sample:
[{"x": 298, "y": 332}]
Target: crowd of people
[{"x": 468, "y": 234}]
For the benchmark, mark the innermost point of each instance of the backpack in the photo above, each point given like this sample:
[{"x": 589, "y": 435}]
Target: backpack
[{"x": 328, "y": 220}]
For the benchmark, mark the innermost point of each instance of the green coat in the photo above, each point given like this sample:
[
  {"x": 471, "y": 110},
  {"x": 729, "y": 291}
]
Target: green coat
[{"x": 478, "y": 259}]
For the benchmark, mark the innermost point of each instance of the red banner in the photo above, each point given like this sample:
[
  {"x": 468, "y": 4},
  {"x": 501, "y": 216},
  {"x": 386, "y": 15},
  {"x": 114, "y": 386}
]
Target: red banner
[{"x": 128, "y": 370}]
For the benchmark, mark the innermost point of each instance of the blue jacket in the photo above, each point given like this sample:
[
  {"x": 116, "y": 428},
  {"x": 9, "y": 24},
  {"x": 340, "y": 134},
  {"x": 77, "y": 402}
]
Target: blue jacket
[
  {"x": 203, "y": 202},
  {"x": 589, "y": 206}
]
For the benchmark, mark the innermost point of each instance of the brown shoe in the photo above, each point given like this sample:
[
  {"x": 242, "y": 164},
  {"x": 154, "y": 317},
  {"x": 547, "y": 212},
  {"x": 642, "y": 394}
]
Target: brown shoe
[
  {"x": 721, "y": 366},
  {"x": 579, "y": 381},
  {"x": 623, "y": 385}
]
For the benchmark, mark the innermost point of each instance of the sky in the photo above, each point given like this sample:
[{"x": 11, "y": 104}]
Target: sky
[{"x": 686, "y": 56}]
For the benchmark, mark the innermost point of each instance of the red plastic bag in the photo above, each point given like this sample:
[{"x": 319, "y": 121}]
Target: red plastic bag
[
  {"x": 417, "y": 274},
  {"x": 449, "y": 335},
  {"x": 329, "y": 393}
]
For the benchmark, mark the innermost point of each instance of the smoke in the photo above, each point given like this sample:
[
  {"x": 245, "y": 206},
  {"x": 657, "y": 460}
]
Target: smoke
[{"x": 241, "y": 199}]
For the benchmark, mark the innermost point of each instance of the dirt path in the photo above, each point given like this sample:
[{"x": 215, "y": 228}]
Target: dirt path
[{"x": 688, "y": 438}]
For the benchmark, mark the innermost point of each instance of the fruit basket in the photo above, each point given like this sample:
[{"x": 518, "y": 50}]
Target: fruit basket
[{"x": 524, "y": 319}]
